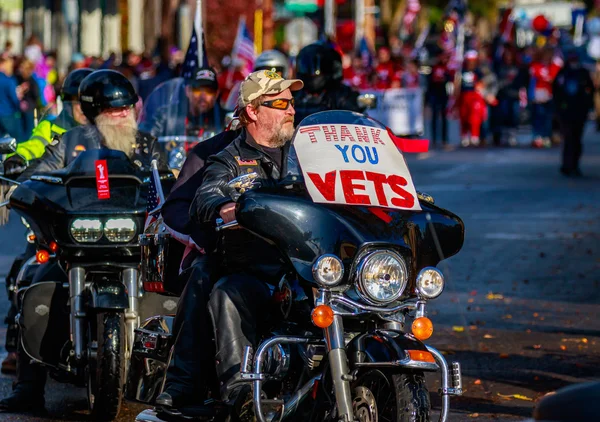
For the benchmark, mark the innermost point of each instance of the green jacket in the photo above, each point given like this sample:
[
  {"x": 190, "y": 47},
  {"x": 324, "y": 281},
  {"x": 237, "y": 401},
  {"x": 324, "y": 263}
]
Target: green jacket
[{"x": 43, "y": 134}]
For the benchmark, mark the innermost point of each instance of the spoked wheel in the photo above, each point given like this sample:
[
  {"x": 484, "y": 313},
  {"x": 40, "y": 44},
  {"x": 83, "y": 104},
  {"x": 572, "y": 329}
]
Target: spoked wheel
[{"x": 379, "y": 397}]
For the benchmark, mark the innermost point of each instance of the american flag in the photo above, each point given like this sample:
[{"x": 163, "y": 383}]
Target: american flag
[
  {"x": 195, "y": 57},
  {"x": 155, "y": 197},
  {"x": 243, "y": 47}
]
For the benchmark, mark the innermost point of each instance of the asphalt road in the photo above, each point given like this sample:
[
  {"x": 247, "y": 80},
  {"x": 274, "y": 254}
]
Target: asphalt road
[{"x": 522, "y": 304}]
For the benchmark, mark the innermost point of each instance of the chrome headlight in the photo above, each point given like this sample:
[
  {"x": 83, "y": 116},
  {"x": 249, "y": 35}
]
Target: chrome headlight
[
  {"x": 86, "y": 230},
  {"x": 430, "y": 282},
  {"x": 382, "y": 277},
  {"x": 328, "y": 270},
  {"x": 119, "y": 229}
]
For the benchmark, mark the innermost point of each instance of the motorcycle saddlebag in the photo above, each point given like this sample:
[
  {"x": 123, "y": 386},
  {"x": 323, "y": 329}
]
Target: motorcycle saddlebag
[
  {"x": 150, "y": 357},
  {"x": 44, "y": 321}
]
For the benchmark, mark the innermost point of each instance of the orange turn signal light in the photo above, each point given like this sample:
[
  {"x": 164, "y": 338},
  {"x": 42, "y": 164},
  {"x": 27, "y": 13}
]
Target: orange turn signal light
[
  {"x": 42, "y": 256},
  {"x": 421, "y": 355},
  {"x": 53, "y": 246},
  {"x": 322, "y": 316},
  {"x": 422, "y": 328},
  {"x": 31, "y": 237}
]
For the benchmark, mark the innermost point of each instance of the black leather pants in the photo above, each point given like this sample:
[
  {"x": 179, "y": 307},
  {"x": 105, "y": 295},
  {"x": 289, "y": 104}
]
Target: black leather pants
[
  {"x": 238, "y": 305},
  {"x": 191, "y": 363}
]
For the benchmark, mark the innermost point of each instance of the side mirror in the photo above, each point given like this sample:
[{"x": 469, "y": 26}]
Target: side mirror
[
  {"x": 8, "y": 145},
  {"x": 367, "y": 101}
]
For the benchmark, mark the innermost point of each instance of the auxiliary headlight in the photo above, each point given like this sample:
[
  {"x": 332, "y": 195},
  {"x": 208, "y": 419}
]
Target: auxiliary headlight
[
  {"x": 430, "y": 282},
  {"x": 86, "y": 230},
  {"x": 119, "y": 229},
  {"x": 328, "y": 270},
  {"x": 382, "y": 277}
]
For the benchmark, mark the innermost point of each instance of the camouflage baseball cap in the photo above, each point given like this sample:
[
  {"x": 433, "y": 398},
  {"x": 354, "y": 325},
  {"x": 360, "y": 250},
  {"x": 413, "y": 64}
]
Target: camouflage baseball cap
[{"x": 266, "y": 82}]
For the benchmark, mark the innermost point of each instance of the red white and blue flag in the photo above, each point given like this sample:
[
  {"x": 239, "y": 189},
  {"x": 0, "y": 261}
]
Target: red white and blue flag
[
  {"x": 196, "y": 56},
  {"x": 155, "y": 197},
  {"x": 243, "y": 47}
]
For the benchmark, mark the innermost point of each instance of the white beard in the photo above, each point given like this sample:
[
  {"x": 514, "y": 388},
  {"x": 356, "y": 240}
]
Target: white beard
[{"x": 118, "y": 133}]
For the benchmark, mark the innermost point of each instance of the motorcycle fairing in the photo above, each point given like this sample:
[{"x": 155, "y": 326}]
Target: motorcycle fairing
[
  {"x": 44, "y": 321},
  {"x": 303, "y": 230}
]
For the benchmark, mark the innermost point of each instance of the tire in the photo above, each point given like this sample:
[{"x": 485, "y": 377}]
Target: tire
[
  {"x": 390, "y": 397},
  {"x": 105, "y": 383}
]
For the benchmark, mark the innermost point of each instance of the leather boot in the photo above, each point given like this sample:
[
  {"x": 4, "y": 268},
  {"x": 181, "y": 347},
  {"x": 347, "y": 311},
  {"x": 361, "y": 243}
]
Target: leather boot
[
  {"x": 235, "y": 305},
  {"x": 9, "y": 364},
  {"x": 190, "y": 365}
]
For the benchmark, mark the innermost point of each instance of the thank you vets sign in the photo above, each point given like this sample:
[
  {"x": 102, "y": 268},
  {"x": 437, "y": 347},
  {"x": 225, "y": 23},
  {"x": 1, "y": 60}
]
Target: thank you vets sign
[{"x": 354, "y": 165}]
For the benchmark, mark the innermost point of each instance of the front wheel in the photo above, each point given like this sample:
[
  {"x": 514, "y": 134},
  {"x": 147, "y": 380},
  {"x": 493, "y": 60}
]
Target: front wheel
[
  {"x": 390, "y": 397},
  {"x": 106, "y": 376}
]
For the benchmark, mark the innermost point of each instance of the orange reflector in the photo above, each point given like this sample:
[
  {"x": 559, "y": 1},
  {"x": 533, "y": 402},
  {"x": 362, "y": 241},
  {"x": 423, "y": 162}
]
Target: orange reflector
[
  {"x": 53, "y": 246},
  {"x": 154, "y": 286},
  {"x": 422, "y": 328},
  {"x": 31, "y": 237},
  {"x": 322, "y": 316},
  {"x": 421, "y": 356},
  {"x": 42, "y": 256}
]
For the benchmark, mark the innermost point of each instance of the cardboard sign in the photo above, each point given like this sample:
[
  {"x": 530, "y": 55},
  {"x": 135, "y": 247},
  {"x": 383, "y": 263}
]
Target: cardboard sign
[
  {"x": 400, "y": 109},
  {"x": 354, "y": 165},
  {"x": 102, "y": 186}
]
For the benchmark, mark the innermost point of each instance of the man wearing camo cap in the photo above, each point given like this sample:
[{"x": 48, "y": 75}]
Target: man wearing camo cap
[{"x": 246, "y": 263}]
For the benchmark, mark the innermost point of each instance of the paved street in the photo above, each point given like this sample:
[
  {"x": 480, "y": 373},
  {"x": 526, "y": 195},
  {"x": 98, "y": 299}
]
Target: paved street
[{"x": 522, "y": 304}]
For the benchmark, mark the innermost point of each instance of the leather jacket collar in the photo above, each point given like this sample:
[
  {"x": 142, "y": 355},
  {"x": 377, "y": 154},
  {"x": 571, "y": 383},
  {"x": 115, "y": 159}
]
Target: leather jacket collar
[{"x": 247, "y": 149}]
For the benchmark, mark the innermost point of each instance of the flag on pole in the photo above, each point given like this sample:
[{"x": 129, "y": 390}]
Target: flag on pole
[
  {"x": 155, "y": 197},
  {"x": 196, "y": 56},
  {"x": 243, "y": 47}
]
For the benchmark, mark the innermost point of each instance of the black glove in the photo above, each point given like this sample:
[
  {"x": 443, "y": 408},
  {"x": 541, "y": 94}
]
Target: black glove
[{"x": 14, "y": 165}]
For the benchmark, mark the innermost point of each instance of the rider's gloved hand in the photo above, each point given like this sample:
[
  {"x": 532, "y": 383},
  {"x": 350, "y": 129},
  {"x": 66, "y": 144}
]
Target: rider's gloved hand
[{"x": 14, "y": 165}]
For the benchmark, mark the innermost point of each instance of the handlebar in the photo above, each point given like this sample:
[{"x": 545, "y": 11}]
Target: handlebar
[{"x": 223, "y": 226}]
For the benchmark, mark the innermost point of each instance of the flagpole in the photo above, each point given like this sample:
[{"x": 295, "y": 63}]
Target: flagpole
[{"x": 199, "y": 32}]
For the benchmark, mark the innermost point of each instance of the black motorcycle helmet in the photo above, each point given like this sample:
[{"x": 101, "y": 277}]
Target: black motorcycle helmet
[
  {"x": 318, "y": 65},
  {"x": 104, "y": 89},
  {"x": 70, "y": 86}
]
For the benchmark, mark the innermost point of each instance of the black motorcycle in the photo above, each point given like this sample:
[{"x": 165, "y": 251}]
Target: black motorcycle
[
  {"x": 338, "y": 346},
  {"x": 81, "y": 327}
]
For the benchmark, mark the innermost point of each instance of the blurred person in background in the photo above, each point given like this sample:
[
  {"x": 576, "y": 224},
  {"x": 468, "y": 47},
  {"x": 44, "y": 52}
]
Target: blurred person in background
[
  {"x": 273, "y": 60},
  {"x": 505, "y": 116},
  {"x": 10, "y": 100},
  {"x": 357, "y": 76},
  {"x": 232, "y": 74},
  {"x": 385, "y": 72},
  {"x": 32, "y": 96},
  {"x": 437, "y": 96},
  {"x": 471, "y": 105},
  {"x": 573, "y": 98},
  {"x": 596, "y": 80},
  {"x": 543, "y": 71}
]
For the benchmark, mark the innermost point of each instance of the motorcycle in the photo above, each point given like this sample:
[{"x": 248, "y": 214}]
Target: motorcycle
[
  {"x": 88, "y": 232},
  {"x": 360, "y": 271}
]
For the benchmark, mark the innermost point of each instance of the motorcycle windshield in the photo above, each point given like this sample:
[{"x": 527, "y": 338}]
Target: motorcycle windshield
[
  {"x": 171, "y": 114},
  {"x": 316, "y": 212}
]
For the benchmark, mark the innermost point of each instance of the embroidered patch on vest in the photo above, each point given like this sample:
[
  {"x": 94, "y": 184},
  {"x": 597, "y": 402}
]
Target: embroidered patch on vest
[{"x": 245, "y": 162}]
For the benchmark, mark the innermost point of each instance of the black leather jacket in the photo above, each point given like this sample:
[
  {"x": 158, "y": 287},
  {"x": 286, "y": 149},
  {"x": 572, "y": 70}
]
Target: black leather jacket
[
  {"x": 340, "y": 97},
  {"x": 242, "y": 156},
  {"x": 237, "y": 250},
  {"x": 64, "y": 149}
]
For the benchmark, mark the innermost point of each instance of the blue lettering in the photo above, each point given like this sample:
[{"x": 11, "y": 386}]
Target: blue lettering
[
  {"x": 343, "y": 150},
  {"x": 359, "y": 148},
  {"x": 375, "y": 158}
]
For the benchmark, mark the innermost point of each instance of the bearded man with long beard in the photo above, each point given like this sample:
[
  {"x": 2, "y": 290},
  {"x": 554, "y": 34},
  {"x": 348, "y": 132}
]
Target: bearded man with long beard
[{"x": 108, "y": 102}]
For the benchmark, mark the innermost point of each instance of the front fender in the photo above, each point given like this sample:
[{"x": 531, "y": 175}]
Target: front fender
[
  {"x": 387, "y": 348},
  {"x": 111, "y": 295}
]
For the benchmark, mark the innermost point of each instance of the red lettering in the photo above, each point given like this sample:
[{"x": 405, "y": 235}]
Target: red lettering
[
  {"x": 378, "y": 180},
  {"x": 345, "y": 133},
  {"x": 311, "y": 132},
  {"x": 406, "y": 200},
  {"x": 375, "y": 135},
  {"x": 325, "y": 187},
  {"x": 361, "y": 134},
  {"x": 330, "y": 133},
  {"x": 348, "y": 177}
]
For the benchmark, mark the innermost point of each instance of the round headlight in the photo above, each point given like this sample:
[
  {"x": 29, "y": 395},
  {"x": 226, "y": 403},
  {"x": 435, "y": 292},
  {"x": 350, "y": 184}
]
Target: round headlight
[
  {"x": 382, "y": 277},
  {"x": 328, "y": 270},
  {"x": 86, "y": 230},
  {"x": 119, "y": 229},
  {"x": 430, "y": 282}
]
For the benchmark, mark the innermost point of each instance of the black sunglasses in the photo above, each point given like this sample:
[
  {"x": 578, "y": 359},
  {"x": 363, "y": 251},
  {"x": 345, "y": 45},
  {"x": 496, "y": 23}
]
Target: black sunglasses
[{"x": 279, "y": 103}]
